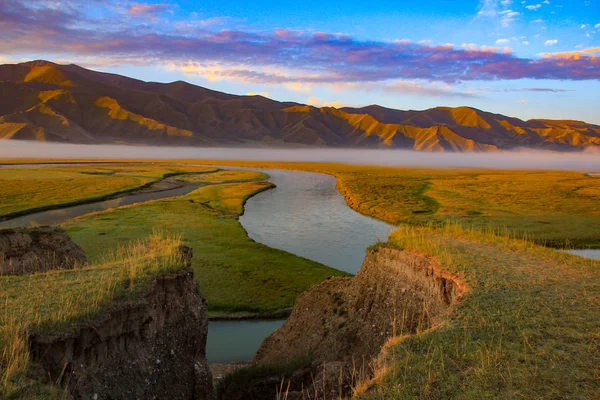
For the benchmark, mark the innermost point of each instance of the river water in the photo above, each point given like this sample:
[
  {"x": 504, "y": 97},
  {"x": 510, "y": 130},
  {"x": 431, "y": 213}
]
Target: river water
[
  {"x": 592, "y": 253},
  {"x": 56, "y": 217},
  {"x": 304, "y": 215}
]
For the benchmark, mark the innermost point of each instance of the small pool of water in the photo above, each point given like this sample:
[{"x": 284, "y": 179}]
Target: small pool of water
[
  {"x": 236, "y": 341},
  {"x": 593, "y": 253}
]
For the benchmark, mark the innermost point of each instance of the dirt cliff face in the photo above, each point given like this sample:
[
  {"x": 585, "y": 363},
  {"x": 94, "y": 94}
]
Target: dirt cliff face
[
  {"x": 28, "y": 250},
  {"x": 152, "y": 350},
  {"x": 343, "y": 323}
]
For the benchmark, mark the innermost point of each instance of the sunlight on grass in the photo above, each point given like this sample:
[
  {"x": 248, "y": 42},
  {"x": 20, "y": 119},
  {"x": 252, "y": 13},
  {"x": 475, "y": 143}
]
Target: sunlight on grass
[
  {"x": 61, "y": 300},
  {"x": 527, "y": 325},
  {"x": 25, "y": 190}
]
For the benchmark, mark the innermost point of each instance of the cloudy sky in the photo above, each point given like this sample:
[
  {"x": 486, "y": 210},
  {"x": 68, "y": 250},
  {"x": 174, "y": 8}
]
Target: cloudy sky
[{"x": 527, "y": 58}]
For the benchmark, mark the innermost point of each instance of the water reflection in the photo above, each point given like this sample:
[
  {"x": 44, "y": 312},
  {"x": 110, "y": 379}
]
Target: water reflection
[
  {"x": 593, "y": 254},
  {"x": 235, "y": 341},
  {"x": 305, "y": 215}
]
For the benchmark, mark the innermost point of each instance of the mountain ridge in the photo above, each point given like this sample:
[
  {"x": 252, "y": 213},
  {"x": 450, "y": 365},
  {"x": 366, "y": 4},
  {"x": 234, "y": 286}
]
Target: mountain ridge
[{"x": 44, "y": 101}]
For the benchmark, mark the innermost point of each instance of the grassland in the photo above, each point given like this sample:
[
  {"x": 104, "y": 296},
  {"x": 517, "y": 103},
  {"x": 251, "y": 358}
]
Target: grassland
[
  {"x": 26, "y": 190},
  {"x": 225, "y": 176},
  {"x": 527, "y": 328},
  {"x": 237, "y": 275},
  {"x": 57, "y": 301},
  {"x": 551, "y": 208}
]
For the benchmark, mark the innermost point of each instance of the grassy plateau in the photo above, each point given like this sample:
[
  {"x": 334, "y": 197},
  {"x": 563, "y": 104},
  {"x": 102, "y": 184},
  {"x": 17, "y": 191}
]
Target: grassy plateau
[{"x": 528, "y": 327}]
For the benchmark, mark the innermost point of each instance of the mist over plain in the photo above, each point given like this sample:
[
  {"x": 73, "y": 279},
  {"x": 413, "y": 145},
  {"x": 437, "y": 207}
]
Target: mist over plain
[{"x": 526, "y": 159}]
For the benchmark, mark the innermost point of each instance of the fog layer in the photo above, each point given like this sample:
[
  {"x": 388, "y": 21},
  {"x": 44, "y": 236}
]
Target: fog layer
[{"x": 587, "y": 161}]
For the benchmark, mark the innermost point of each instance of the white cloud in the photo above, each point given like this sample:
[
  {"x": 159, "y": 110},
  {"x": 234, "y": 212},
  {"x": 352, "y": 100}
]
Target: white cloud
[
  {"x": 525, "y": 42},
  {"x": 597, "y": 26},
  {"x": 533, "y": 7},
  {"x": 551, "y": 42},
  {"x": 537, "y": 21},
  {"x": 502, "y": 41},
  {"x": 546, "y": 2},
  {"x": 583, "y": 26},
  {"x": 507, "y": 17}
]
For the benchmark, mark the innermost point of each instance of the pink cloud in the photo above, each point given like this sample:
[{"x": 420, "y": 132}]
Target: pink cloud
[
  {"x": 311, "y": 58},
  {"x": 138, "y": 9}
]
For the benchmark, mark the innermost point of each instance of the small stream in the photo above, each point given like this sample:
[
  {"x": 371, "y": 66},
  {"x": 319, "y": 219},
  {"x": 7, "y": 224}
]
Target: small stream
[{"x": 158, "y": 190}]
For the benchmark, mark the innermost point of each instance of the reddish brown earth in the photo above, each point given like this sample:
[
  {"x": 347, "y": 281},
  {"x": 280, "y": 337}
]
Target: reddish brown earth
[
  {"x": 43, "y": 101},
  {"x": 342, "y": 324}
]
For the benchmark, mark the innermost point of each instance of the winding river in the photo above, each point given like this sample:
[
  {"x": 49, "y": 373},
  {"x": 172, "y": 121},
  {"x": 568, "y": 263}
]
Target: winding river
[{"x": 304, "y": 215}]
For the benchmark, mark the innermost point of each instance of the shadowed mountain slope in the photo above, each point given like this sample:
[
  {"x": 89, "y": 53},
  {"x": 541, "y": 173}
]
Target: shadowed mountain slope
[{"x": 43, "y": 101}]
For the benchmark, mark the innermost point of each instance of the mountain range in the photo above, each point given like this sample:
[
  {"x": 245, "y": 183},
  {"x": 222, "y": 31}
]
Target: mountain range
[{"x": 44, "y": 101}]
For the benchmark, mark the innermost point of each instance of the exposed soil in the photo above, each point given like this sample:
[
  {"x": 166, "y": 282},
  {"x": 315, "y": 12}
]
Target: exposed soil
[
  {"x": 155, "y": 349},
  {"x": 343, "y": 323},
  {"x": 28, "y": 250}
]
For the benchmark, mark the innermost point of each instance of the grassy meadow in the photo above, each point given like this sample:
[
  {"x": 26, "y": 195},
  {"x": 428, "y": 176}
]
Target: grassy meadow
[
  {"x": 58, "y": 301},
  {"x": 551, "y": 208},
  {"x": 527, "y": 328},
  {"x": 26, "y": 190},
  {"x": 237, "y": 275}
]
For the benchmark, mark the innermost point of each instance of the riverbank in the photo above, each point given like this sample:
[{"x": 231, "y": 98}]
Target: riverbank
[
  {"x": 522, "y": 323},
  {"x": 226, "y": 259},
  {"x": 555, "y": 209},
  {"x": 26, "y": 191}
]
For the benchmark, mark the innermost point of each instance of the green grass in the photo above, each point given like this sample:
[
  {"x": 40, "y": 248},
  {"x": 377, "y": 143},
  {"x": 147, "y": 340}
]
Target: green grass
[
  {"x": 25, "y": 190},
  {"x": 527, "y": 327},
  {"x": 554, "y": 208},
  {"x": 236, "y": 274},
  {"x": 59, "y": 301},
  {"x": 225, "y": 176}
]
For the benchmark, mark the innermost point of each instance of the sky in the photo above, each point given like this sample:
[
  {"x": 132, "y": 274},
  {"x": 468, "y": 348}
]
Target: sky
[{"x": 528, "y": 59}]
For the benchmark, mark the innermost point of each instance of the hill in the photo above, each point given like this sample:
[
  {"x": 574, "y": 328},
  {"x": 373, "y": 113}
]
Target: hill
[{"x": 43, "y": 101}]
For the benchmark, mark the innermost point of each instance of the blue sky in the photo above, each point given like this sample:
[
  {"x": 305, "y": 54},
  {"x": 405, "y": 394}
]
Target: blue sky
[{"x": 529, "y": 59}]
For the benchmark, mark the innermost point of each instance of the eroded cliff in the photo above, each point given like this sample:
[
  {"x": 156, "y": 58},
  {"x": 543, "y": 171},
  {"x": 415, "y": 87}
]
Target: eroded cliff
[
  {"x": 343, "y": 323},
  {"x": 154, "y": 349},
  {"x": 28, "y": 250}
]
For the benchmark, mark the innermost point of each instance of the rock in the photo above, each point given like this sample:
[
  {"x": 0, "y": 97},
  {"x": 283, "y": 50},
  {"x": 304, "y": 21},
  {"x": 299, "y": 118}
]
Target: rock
[{"x": 25, "y": 251}]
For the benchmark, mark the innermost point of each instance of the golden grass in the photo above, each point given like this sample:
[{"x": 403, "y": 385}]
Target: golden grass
[
  {"x": 60, "y": 300},
  {"x": 28, "y": 189},
  {"x": 225, "y": 176},
  {"x": 527, "y": 328}
]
